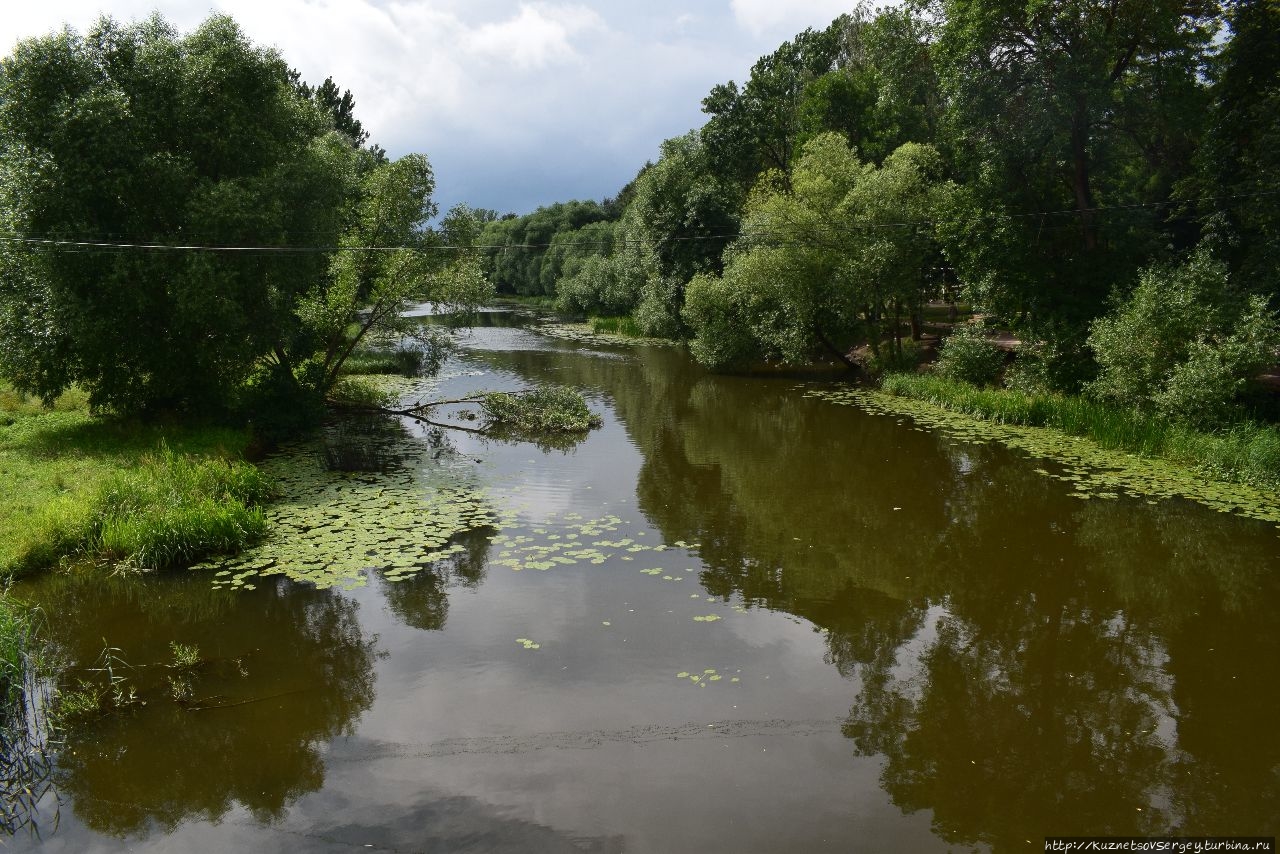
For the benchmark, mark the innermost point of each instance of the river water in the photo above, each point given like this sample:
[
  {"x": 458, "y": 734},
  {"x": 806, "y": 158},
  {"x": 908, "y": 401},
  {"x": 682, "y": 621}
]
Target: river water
[{"x": 733, "y": 619}]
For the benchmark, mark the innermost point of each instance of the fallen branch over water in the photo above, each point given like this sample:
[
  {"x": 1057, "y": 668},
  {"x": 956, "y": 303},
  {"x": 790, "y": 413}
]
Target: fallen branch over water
[{"x": 552, "y": 409}]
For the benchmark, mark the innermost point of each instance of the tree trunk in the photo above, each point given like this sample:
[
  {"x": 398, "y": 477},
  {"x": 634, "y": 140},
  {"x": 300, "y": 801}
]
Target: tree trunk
[
  {"x": 835, "y": 351},
  {"x": 897, "y": 328},
  {"x": 1080, "y": 176}
]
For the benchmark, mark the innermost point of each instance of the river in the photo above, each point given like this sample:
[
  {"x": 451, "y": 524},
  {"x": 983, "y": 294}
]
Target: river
[{"x": 733, "y": 619}]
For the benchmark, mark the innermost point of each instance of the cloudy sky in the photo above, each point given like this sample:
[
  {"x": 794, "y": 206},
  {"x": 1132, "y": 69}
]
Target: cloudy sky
[{"x": 517, "y": 104}]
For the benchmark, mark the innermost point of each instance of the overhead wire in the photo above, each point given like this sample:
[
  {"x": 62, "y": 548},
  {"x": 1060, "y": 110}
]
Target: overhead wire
[{"x": 99, "y": 245}]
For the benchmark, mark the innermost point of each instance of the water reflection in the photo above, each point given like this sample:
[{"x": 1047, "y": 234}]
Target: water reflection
[
  {"x": 284, "y": 669},
  {"x": 422, "y": 601},
  {"x": 1004, "y": 660},
  {"x": 1024, "y": 662}
]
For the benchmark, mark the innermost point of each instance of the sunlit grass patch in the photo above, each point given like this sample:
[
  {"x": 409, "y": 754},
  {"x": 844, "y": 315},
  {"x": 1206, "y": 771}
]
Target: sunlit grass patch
[{"x": 76, "y": 484}]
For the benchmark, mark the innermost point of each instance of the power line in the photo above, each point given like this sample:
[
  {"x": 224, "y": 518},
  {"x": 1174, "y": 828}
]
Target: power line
[{"x": 92, "y": 245}]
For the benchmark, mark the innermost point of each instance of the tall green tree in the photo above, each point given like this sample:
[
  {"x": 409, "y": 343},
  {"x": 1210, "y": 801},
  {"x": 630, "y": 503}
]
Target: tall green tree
[
  {"x": 678, "y": 224},
  {"x": 215, "y": 192},
  {"x": 1239, "y": 162},
  {"x": 839, "y": 255},
  {"x": 754, "y": 127},
  {"x": 1057, "y": 109},
  {"x": 131, "y": 134}
]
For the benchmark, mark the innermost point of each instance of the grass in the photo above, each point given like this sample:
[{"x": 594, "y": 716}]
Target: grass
[
  {"x": 16, "y": 636},
  {"x": 77, "y": 485},
  {"x": 400, "y": 362},
  {"x": 359, "y": 391},
  {"x": 527, "y": 300},
  {"x": 1246, "y": 452},
  {"x": 617, "y": 326}
]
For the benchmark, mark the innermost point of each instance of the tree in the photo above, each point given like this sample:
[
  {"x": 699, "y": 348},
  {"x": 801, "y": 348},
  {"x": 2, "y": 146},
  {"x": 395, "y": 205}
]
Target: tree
[
  {"x": 131, "y": 134},
  {"x": 1238, "y": 165},
  {"x": 516, "y": 247},
  {"x": 200, "y": 148},
  {"x": 825, "y": 260},
  {"x": 680, "y": 220},
  {"x": 1068, "y": 105},
  {"x": 754, "y": 128}
]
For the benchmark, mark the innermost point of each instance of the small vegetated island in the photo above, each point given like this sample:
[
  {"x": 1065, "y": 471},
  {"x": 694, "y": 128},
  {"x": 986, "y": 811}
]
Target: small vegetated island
[{"x": 1055, "y": 216}]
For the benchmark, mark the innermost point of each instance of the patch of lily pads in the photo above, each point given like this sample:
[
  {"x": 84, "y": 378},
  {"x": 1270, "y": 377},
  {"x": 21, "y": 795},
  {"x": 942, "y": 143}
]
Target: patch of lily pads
[
  {"x": 574, "y": 542},
  {"x": 331, "y": 528},
  {"x": 582, "y": 333},
  {"x": 706, "y": 676},
  {"x": 1093, "y": 471}
]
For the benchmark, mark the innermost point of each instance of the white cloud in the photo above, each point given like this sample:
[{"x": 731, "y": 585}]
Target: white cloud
[
  {"x": 789, "y": 17},
  {"x": 516, "y": 102},
  {"x": 536, "y": 36}
]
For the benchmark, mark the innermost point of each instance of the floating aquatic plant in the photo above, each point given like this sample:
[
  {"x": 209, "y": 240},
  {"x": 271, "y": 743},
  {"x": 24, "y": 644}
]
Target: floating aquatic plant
[{"x": 1095, "y": 472}]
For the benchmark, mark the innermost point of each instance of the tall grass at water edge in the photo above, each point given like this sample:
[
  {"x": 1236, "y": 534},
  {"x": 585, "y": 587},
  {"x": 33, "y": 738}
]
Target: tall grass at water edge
[
  {"x": 78, "y": 486},
  {"x": 626, "y": 326},
  {"x": 16, "y": 635},
  {"x": 1245, "y": 452}
]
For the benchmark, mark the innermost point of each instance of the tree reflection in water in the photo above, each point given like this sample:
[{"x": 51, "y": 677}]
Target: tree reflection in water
[
  {"x": 284, "y": 669},
  {"x": 1026, "y": 663}
]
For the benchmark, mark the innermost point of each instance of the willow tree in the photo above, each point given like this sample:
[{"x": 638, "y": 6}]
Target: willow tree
[
  {"x": 185, "y": 230},
  {"x": 133, "y": 135},
  {"x": 839, "y": 255}
]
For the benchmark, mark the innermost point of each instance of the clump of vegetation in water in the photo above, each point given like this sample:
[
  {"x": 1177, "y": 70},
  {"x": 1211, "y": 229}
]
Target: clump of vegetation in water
[
  {"x": 402, "y": 361},
  {"x": 553, "y": 409},
  {"x": 25, "y": 765},
  {"x": 359, "y": 392},
  {"x": 617, "y": 326}
]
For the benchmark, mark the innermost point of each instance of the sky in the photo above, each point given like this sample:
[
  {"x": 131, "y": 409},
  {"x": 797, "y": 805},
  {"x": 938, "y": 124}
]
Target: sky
[{"x": 516, "y": 104}]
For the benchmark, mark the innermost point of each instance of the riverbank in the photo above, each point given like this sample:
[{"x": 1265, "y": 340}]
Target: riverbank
[
  {"x": 1244, "y": 453},
  {"x": 74, "y": 484}
]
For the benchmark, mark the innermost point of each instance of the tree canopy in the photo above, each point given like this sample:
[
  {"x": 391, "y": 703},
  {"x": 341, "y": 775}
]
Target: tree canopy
[{"x": 188, "y": 223}]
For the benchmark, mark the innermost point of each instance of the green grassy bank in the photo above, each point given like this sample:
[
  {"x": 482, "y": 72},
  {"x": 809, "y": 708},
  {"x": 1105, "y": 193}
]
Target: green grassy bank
[
  {"x": 75, "y": 485},
  {"x": 1244, "y": 453}
]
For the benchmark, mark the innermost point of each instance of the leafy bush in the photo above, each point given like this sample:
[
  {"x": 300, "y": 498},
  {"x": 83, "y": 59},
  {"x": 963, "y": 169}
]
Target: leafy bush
[
  {"x": 969, "y": 355},
  {"x": 1183, "y": 343},
  {"x": 1201, "y": 390},
  {"x": 552, "y": 409},
  {"x": 1057, "y": 361},
  {"x": 715, "y": 310}
]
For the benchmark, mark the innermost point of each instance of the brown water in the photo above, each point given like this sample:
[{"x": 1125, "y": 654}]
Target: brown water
[{"x": 921, "y": 645}]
